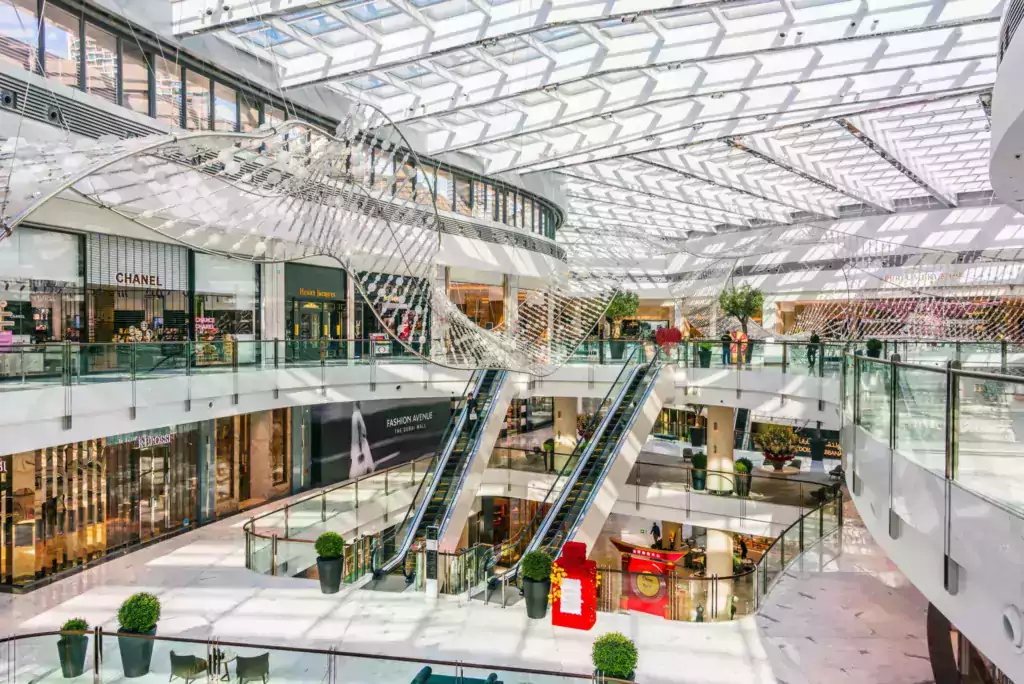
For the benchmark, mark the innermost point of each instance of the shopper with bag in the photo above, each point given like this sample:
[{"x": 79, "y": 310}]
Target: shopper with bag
[{"x": 471, "y": 406}]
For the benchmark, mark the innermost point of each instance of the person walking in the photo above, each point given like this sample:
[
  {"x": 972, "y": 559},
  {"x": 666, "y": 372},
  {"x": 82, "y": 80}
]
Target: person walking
[
  {"x": 471, "y": 406},
  {"x": 656, "y": 533},
  {"x": 726, "y": 341}
]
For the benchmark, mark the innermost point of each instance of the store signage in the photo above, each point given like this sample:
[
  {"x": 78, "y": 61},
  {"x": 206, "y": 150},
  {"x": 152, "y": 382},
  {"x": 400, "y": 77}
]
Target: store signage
[
  {"x": 143, "y": 440},
  {"x": 143, "y": 279},
  {"x": 325, "y": 294},
  {"x": 147, "y": 441},
  {"x": 206, "y": 325},
  {"x": 3, "y": 465}
]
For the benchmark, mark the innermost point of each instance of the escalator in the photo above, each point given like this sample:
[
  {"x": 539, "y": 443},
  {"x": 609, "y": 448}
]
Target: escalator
[
  {"x": 742, "y": 429},
  {"x": 564, "y": 518},
  {"x": 439, "y": 490}
]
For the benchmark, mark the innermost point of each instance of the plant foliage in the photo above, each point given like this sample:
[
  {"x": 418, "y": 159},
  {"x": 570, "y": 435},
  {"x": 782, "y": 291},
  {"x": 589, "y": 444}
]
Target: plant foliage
[
  {"x": 75, "y": 625},
  {"x": 139, "y": 613},
  {"x": 330, "y": 545},
  {"x": 746, "y": 463},
  {"x": 778, "y": 442},
  {"x": 537, "y": 566},
  {"x": 741, "y": 468},
  {"x": 873, "y": 344},
  {"x": 623, "y": 305},
  {"x": 615, "y": 655},
  {"x": 741, "y": 301},
  {"x": 699, "y": 461},
  {"x": 666, "y": 337}
]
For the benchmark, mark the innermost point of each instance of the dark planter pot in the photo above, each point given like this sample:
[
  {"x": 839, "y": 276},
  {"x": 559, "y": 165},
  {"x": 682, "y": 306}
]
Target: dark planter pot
[
  {"x": 704, "y": 356},
  {"x": 874, "y": 353},
  {"x": 617, "y": 349},
  {"x": 72, "y": 649},
  {"x": 775, "y": 464},
  {"x": 329, "y": 570},
  {"x": 599, "y": 677},
  {"x": 136, "y": 653},
  {"x": 536, "y": 594},
  {"x": 750, "y": 352},
  {"x": 817, "y": 449},
  {"x": 697, "y": 436},
  {"x": 700, "y": 480},
  {"x": 742, "y": 485}
]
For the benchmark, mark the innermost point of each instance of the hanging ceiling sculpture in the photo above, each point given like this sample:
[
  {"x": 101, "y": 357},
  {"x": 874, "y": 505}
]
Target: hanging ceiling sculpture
[{"x": 292, "y": 191}]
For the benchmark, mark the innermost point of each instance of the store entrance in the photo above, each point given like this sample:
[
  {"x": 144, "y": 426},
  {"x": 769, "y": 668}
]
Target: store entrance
[
  {"x": 319, "y": 324},
  {"x": 153, "y": 492}
]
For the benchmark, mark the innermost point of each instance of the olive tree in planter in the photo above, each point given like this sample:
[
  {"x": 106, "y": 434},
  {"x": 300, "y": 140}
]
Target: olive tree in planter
[
  {"x": 615, "y": 655},
  {"x": 743, "y": 468},
  {"x": 137, "y": 618},
  {"x": 699, "y": 472},
  {"x": 622, "y": 306},
  {"x": 536, "y": 583},
  {"x": 330, "y": 553},
  {"x": 742, "y": 302},
  {"x": 72, "y": 647}
]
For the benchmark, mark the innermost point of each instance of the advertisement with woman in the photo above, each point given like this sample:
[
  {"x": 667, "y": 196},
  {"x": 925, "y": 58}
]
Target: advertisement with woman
[{"x": 354, "y": 439}]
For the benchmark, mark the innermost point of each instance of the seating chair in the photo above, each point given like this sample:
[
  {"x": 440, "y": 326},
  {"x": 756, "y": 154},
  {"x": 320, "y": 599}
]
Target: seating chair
[
  {"x": 837, "y": 473},
  {"x": 426, "y": 676},
  {"x": 796, "y": 463},
  {"x": 250, "y": 669},
  {"x": 187, "y": 667}
]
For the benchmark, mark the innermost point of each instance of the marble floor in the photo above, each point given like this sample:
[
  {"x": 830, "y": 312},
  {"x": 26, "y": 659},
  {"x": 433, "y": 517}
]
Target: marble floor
[{"x": 846, "y": 618}]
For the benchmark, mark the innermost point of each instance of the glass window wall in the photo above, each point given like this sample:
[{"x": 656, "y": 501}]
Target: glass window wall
[
  {"x": 483, "y": 304},
  {"x": 225, "y": 108},
  {"x": 100, "y": 63},
  {"x": 134, "y": 78},
  {"x": 197, "y": 101},
  {"x": 63, "y": 44},
  {"x": 168, "y": 91},
  {"x": 19, "y": 34}
]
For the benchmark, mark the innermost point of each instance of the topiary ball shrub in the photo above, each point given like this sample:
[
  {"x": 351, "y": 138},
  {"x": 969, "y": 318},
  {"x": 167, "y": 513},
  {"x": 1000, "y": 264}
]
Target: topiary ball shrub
[
  {"x": 537, "y": 566},
  {"x": 744, "y": 462},
  {"x": 330, "y": 545},
  {"x": 139, "y": 613},
  {"x": 614, "y": 655},
  {"x": 699, "y": 461},
  {"x": 75, "y": 625}
]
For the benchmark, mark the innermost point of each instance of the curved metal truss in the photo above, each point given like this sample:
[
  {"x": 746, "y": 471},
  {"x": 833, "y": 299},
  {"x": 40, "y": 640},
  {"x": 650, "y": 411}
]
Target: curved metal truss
[
  {"x": 358, "y": 196},
  {"x": 891, "y": 289}
]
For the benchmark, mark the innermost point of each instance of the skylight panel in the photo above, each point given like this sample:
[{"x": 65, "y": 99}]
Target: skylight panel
[
  {"x": 318, "y": 23},
  {"x": 372, "y": 11}
]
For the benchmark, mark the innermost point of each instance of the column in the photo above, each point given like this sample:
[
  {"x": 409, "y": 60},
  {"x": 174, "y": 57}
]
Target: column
[
  {"x": 510, "y": 294},
  {"x": 350, "y": 315},
  {"x": 438, "y": 327},
  {"x": 565, "y": 426},
  {"x": 261, "y": 432},
  {"x": 718, "y": 562},
  {"x": 272, "y": 300},
  {"x": 671, "y": 531},
  {"x": 720, "y": 425}
]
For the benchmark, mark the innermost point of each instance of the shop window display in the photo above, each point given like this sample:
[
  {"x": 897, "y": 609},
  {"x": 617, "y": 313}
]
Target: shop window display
[{"x": 483, "y": 304}]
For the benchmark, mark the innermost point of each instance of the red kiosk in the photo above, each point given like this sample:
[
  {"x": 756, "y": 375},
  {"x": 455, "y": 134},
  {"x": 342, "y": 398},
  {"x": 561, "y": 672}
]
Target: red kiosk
[
  {"x": 646, "y": 578},
  {"x": 574, "y": 588}
]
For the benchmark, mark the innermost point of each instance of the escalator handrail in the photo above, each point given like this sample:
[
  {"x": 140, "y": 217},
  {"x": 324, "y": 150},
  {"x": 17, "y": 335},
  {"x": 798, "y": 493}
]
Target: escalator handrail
[
  {"x": 656, "y": 367},
  {"x": 472, "y": 447},
  {"x": 420, "y": 509},
  {"x": 549, "y": 517},
  {"x": 570, "y": 464}
]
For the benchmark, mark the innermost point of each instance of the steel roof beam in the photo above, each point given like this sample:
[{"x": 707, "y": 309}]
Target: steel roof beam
[{"x": 886, "y": 150}]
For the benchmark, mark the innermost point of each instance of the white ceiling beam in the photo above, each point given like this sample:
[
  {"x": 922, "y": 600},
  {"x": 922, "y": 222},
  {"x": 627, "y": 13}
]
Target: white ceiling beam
[
  {"x": 877, "y": 140},
  {"x": 193, "y": 17}
]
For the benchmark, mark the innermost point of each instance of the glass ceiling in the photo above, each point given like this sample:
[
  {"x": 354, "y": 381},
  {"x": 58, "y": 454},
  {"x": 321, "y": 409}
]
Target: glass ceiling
[{"x": 661, "y": 118}]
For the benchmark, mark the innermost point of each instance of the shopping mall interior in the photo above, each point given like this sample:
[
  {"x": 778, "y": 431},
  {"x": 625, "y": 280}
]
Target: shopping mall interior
[{"x": 382, "y": 341}]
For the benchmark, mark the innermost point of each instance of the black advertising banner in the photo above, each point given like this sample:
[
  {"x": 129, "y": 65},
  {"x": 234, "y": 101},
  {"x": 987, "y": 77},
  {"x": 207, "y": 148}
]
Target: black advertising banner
[{"x": 353, "y": 439}]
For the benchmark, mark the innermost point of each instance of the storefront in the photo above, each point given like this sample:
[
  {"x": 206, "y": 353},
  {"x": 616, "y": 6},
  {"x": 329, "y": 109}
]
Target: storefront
[
  {"x": 249, "y": 463},
  {"x": 137, "y": 291},
  {"x": 65, "y": 506},
  {"x": 70, "y": 504},
  {"x": 315, "y": 310},
  {"x": 225, "y": 308},
  {"x": 403, "y": 305},
  {"x": 41, "y": 281}
]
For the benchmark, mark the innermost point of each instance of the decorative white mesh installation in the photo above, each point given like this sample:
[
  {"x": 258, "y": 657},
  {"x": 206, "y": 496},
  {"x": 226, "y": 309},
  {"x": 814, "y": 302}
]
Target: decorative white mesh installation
[
  {"x": 889, "y": 289},
  {"x": 294, "y": 190}
]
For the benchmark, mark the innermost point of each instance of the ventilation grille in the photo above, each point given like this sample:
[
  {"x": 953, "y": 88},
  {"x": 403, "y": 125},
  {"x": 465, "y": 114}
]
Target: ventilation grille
[{"x": 1011, "y": 21}]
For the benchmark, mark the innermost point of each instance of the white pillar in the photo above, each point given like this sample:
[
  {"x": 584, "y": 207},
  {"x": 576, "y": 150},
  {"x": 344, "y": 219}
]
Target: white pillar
[
  {"x": 272, "y": 302},
  {"x": 510, "y": 294},
  {"x": 721, "y": 439},
  {"x": 438, "y": 327},
  {"x": 565, "y": 423},
  {"x": 350, "y": 314},
  {"x": 718, "y": 561}
]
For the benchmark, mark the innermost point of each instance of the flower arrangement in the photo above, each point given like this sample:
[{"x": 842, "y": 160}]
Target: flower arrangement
[
  {"x": 668, "y": 337},
  {"x": 778, "y": 443}
]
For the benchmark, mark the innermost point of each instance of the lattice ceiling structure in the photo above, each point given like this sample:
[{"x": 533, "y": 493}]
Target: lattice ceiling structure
[{"x": 670, "y": 117}]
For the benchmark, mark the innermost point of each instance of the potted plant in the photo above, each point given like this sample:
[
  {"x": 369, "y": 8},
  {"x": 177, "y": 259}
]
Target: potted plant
[
  {"x": 778, "y": 443},
  {"x": 668, "y": 338},
  {"x": 330, "y": 552},
  {"x": 699, "y": 472},
  {"x": 536, "y": 583},
  {"x": 698, "y": 433},
  {"x": 137, "y": 618},
  {"x": 72, "y": 647},
  {"x": 743, "y": 468},
  {"x": 874, "y": 347},
  {"x": 742, "y": 302},
  {"x": 615, "y": 655},
  {"x": 704, "y": 354},
  {"x": 623, "y": 305}
]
